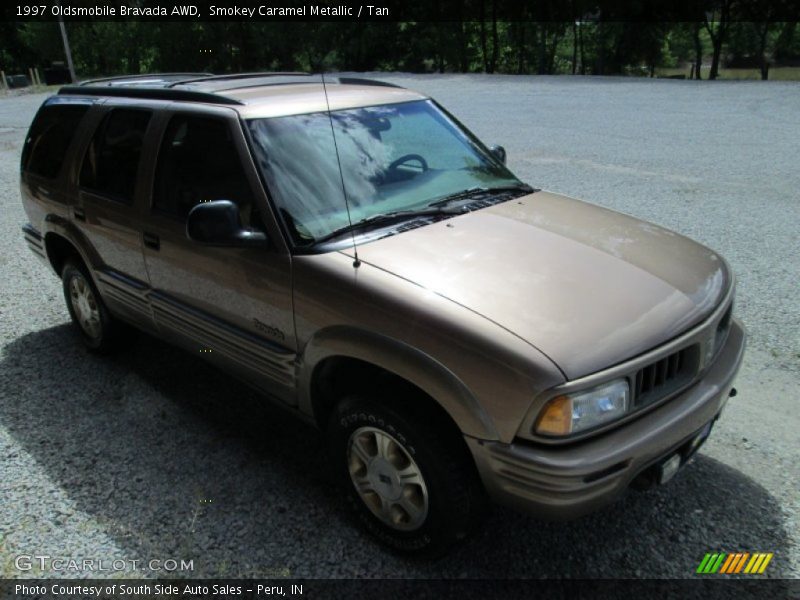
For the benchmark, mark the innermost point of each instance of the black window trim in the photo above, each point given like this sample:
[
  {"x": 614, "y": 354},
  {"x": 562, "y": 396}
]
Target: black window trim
[
  {"x": 227, "y": 118},
  {"x": 73, "y": 143},
  {"x": 104, "y": 195}
]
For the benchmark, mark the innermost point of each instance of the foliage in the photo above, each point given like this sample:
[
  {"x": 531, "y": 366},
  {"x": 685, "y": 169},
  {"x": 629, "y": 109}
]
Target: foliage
[{"x": 587, "y": 45}]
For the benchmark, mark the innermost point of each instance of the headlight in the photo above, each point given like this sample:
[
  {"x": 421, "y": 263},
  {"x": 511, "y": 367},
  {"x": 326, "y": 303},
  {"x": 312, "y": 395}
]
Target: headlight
[
  {"x": 717, "y": 338},
  {"x": 579, "y": 411}
]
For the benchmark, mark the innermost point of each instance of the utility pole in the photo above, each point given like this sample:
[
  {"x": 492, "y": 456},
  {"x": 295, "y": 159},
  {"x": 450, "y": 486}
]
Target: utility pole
[{"x": 67, "y": 51}]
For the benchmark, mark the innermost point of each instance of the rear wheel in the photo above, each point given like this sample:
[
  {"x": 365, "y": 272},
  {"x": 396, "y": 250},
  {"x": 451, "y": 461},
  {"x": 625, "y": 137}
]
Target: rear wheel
[
  {"x": 97, "y": 328},
  {"x": 410, "y": 484}
]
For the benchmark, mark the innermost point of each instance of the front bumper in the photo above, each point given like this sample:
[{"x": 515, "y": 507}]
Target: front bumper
[{"x": 565, "y": 482}]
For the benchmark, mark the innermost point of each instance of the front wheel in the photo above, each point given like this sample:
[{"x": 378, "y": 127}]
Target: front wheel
[{"x": 410, "y": 484}]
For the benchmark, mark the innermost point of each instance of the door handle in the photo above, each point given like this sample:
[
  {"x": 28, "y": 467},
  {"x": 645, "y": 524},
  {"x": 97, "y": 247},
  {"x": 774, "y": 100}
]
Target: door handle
[
  {"x": 151, "y": 240},
  {"x": 79, "y": 213}
]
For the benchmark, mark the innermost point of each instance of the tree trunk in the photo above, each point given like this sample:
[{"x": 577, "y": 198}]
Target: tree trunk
[
  {"x": 135, "y": 64},
  {"x": 601, "y": 50},
  {"x": 521, "y": 48},
  {"x": 718, "y": 36},
  {"x": 462, "y": 48},
  {"x": 715, "y": 58},
  {"x": 542, "y": 58},
  {"x": 762, "y": 52},
  {"x": 439, "y": 49},
  {"x": 551, "y": 55},
  {"x": 484, "y": 55},
  {"x": 245, "y": 55},
  {"x": 580, "y": 47},
  {"x": 495, "y": 42},
  {"x": 698, "y": 52},
  {"x": 574, "y": 46},
  {"x": 134, "y": 58}
]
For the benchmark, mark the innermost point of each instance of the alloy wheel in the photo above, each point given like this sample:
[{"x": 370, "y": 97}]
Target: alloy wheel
[
  {"x": 387, "y": 479},
  {"x": 84, "y": 304}
]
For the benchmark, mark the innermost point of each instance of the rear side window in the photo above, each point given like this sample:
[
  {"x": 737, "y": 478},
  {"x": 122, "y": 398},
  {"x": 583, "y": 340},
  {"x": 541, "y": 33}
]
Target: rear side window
[
  {"x": 112, "y": 159},
  {"x": 49, "y": 138},
  {"x": 198, "y": 162}
]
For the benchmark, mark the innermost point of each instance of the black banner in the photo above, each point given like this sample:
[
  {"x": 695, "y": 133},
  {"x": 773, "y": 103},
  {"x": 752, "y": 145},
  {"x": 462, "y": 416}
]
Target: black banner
[
  {"x": 403, "y": 10},
  {"x": 238, "y": 589}
]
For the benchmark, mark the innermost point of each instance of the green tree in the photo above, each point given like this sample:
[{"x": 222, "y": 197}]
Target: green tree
[{"x": 717, "y": 21}]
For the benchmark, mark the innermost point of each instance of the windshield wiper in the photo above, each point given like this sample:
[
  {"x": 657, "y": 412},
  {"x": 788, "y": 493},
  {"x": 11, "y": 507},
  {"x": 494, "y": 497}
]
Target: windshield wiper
[
  {"x": 435, "y": 208},
  {"x": 481, "y": 191},
  {"x": 383, "y": 218}
]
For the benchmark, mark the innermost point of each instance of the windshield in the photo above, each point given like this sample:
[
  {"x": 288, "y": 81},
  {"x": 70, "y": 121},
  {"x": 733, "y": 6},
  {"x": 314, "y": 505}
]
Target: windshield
[{"x": 398, "y": 157}]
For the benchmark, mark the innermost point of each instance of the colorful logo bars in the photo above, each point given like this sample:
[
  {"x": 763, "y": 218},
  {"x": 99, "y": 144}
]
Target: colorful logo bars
[{"x": 735, "y": 562}]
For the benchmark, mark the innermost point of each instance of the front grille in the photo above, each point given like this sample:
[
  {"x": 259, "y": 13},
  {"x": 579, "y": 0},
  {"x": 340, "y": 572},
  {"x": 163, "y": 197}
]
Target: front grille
[{"x": 664, "y": 376}]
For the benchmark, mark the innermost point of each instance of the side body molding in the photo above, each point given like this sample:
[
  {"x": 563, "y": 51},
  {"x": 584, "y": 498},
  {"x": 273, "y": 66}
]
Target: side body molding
[{"x": 344, "y": 341}]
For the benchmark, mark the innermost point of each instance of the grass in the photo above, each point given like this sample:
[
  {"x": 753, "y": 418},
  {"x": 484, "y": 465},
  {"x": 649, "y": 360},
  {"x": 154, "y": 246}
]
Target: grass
[{"x": 775, "y": 73}]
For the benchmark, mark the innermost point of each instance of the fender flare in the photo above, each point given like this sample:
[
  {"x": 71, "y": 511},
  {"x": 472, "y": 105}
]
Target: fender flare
[
  {"x": 401, "y": 359},
  {"x": 57, "y": 225}
]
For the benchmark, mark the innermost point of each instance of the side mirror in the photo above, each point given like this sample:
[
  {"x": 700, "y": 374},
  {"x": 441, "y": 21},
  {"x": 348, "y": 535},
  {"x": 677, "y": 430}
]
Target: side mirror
[
  {"x": 499, "y": 153},
  {"x": 217, "y": 223}
]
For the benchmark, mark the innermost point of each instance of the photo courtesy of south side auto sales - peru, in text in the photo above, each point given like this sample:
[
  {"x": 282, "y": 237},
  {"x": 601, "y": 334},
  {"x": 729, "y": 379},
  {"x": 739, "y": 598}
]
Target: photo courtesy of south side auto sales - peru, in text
[
  {"x": 191, "y": 10},
  {"x": 158, "y": 589}
]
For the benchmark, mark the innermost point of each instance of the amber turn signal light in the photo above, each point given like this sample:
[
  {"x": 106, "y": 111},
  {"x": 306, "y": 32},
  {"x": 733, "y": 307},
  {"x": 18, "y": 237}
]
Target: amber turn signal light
[{"x": 556, "y": 418}]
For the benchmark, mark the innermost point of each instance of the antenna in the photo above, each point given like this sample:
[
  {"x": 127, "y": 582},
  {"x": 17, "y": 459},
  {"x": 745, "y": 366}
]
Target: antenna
[{"x": 356, "y": 262}]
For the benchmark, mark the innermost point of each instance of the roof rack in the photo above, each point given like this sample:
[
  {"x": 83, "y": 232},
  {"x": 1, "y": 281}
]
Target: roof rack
[
  {"x": 221, "y": 86},
  {"x": 362, "y": 81},
  {"x": 228, "y": 76},
  {"x": 161, "y": 76},
  {"x": 147, "y": 93},
  {"x": 167, "y": 90},
  {"x": 217, "y": 83}
]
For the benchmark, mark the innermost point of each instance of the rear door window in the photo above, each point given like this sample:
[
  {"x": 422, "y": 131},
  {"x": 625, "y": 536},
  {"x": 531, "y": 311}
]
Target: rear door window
[
  {"x": 111, "y": 162},
  {"x": 198, "y": 162},
  {"x": 49, "y": 138}
]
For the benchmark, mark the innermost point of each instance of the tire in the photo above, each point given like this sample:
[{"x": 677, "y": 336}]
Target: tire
[
  {"x": 98, "y": 330},
  {"x": 381, "y": 447}
]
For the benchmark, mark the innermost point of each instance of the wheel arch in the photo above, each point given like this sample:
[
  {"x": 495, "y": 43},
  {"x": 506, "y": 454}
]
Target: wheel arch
[
  {"x": 63, "y": 240},
  {"x": 347, "y": 356}
]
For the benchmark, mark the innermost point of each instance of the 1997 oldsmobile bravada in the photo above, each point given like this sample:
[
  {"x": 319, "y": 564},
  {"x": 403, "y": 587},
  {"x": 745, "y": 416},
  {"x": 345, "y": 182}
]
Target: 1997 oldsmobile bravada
[{"x": 359, "y": 256}]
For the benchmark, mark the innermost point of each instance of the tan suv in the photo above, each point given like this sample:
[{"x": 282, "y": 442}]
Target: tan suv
[{"x": 351, "y": 250}]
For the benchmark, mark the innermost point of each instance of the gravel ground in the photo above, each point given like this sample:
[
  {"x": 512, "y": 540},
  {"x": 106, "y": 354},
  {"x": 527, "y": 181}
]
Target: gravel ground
[{"x": 134, "y": 458}]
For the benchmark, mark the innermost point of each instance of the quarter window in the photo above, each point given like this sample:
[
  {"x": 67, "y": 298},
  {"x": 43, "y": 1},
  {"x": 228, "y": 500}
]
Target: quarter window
[
  {"x": 49, "y": 138},
  {"x": 112, "y": 159},
  {"x": 198, "y": 162}
]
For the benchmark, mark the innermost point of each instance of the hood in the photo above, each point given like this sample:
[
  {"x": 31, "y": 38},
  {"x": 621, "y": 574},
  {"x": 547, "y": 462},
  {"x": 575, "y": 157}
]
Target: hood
[{"x": 587, "y": 286}]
